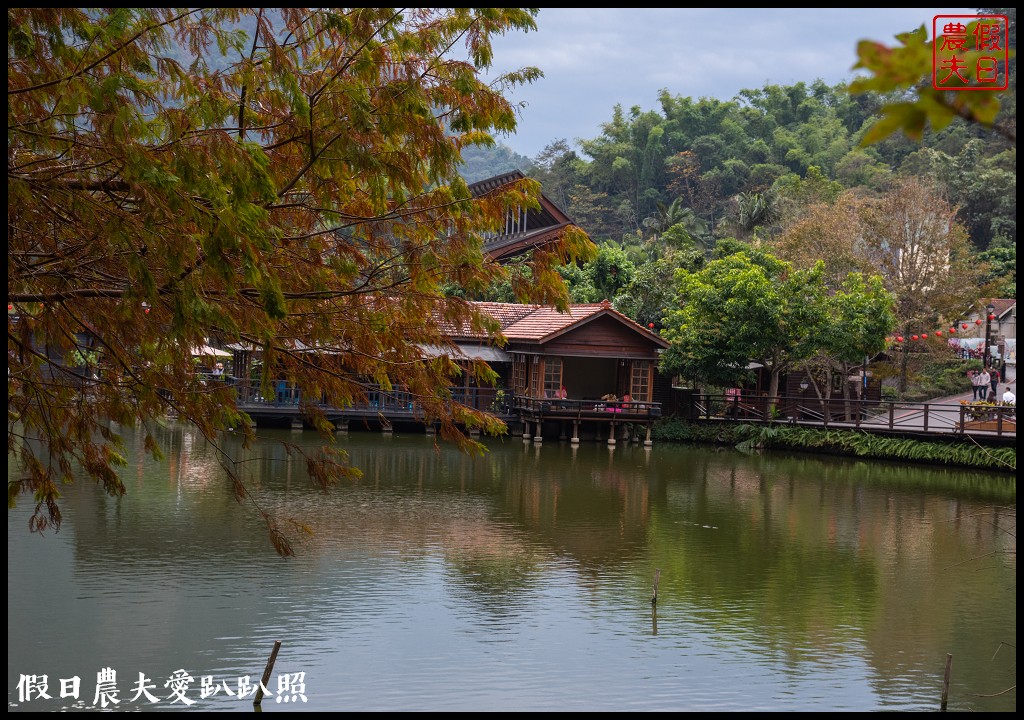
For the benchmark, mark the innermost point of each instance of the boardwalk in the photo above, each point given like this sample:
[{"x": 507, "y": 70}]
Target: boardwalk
[{"x": 941, "y": 417}]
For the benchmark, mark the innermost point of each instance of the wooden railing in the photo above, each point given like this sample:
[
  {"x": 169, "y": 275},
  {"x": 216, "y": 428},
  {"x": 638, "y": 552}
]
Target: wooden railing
[
  {"x": 950, "y": 418},
  {"x": 585, "y": 409},
  {"x": 377, "y": 399},
  {"x": 890, "y": 415}
]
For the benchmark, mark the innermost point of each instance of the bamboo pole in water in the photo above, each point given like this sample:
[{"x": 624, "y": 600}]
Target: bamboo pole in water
[
  {"x": 266, "y": 673},
  {"x": 945, "y": 681},
  {"x": 657, "y": 576}
]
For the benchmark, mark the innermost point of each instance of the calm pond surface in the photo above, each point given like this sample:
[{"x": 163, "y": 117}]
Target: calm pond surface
[{"x": 522, "y": 581}]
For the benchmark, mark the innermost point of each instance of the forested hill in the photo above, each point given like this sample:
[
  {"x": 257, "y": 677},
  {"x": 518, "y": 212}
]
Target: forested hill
[{"x": 735, "y": 165}]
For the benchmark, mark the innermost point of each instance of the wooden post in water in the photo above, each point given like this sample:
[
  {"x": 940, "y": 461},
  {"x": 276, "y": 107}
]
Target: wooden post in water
[
  {"x": 945, "y": 681},
  {"x": 657, "y": 577},
  {"x": 266, "y": 674}
]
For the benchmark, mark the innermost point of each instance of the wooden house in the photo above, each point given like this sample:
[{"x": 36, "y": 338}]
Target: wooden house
[
  {"x": 525, "y": 229},
  {"x": 589, "y": 369}
]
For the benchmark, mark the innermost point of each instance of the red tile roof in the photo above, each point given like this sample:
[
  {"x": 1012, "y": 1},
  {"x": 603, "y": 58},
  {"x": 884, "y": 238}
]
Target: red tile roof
[
  {"x": 1002, "y": 305},
  {"x": 539, "y": 323}
]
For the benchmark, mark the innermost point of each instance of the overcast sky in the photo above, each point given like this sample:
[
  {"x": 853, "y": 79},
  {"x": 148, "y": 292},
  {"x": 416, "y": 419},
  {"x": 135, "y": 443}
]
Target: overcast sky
[{"x": 595, "y": 58}]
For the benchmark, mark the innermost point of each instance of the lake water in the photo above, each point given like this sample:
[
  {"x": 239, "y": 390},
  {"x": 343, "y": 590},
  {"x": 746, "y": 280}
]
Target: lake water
[{"x": 521, "y": 581}]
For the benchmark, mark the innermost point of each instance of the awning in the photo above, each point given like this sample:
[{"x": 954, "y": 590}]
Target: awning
[
  {"x": 209, "y": 351},
  {"x": 486, "y": 353}
]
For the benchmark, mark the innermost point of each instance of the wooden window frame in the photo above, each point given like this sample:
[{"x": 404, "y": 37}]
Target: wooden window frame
[
  {"x": 640, "y": 380},
  {"x": 552, "y": 376}
]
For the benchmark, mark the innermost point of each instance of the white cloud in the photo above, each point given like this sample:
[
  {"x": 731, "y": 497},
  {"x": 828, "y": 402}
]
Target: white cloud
[{"x": 595, "y": 58}]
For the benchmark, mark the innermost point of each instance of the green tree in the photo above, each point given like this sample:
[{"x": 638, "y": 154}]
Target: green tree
[
  {"x": 602, "y": 277},
  {"x": 857, "y": 318},
  {"x": 741, "y": 308},
  {"x": 756, "y": 211},
  {"x": 286, "y": 179},
  {"x": 1000, "y": 263},
  {"x": 557, "y": 170}
]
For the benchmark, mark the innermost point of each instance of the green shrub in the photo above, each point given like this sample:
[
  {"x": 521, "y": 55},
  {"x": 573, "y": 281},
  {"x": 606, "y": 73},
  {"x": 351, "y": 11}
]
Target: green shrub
[{"x": 839, "y": 442}]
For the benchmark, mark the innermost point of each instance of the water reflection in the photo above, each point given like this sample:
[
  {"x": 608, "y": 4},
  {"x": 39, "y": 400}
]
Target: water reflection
[{"x": 523, "y": 579}]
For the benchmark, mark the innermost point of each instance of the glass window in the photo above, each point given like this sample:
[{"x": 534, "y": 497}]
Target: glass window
[
  {"x": 552, "y": 376},
  {"x": 640, "y": 381},
  {"x": 519, "y": 374},
  {"x": 534, "y": 389}
]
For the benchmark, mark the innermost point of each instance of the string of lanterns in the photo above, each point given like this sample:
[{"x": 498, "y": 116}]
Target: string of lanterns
[{"x": 938, "y": 333}]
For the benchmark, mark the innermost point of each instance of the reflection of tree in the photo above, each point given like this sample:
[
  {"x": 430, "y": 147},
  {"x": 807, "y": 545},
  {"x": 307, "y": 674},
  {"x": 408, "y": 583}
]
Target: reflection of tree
[
  {"x": 754, "y": 545},
  {"x": 801, "y": 555},
  {"x": 496, "y": 577}
]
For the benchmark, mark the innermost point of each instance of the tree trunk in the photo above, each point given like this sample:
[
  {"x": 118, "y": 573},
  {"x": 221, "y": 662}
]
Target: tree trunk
[
  {"x": 904, "y": 362},
  {"x": 773, "y": 391}
]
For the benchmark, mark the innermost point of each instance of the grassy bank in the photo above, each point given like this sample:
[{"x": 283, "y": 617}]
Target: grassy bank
[{"x": 960, "y": 452}]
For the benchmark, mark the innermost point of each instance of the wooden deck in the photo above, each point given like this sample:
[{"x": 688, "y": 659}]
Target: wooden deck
[
  {"x": 889, "y": 417},
  {"x": 614, "y": 419},
  {"x": 617, "y": 421}
]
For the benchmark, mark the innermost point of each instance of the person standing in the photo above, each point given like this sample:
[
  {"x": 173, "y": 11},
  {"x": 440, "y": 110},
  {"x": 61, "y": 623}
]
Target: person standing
[
  {"x": 975, "y": 377},
  {"x": 993, "y": 381},
  {"x": 983, "y": 381},
  {"x": 1008, "y": 397}
]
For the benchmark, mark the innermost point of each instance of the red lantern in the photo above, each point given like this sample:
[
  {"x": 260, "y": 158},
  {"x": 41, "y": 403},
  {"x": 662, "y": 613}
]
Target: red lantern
[
  {"x": 650, "y": 325},
  {"x": 991, "y": 317},
  {"x": 914, "y": 338},
  {"x": 924, "y": 336},
  {"x": 147, "y": 311},
  {"x": 964, "y": 326},
  {"x": 899, "y": 338},
  {"x": 978, "y": 321},
  {"x": 938, "y": 333}
]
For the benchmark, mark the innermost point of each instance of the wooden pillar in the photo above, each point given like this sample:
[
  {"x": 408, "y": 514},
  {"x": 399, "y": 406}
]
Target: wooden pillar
[
  {"x": 648, "y": 442},
  {"x": 575, "y": 432},
  {"x": 611, "y": 434},
  {"x": 539, "y": 436}
]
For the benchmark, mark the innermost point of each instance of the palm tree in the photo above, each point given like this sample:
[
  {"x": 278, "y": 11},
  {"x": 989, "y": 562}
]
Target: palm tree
[
  {"x": 667, "y": 216},
  {"x": 756, "y": 209}
]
